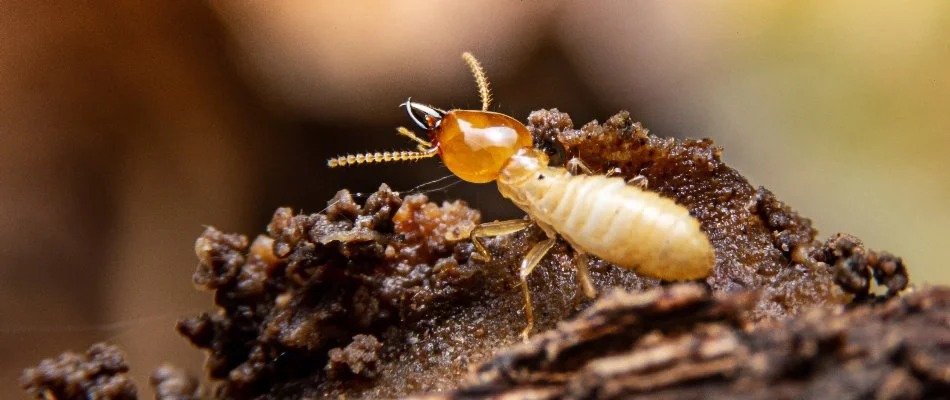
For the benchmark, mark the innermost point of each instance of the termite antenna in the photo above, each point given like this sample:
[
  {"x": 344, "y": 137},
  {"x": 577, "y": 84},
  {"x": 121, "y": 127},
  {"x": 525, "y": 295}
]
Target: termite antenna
[
  {"x": 380, "y": 157},
  {"x": 480, "y": 79}
]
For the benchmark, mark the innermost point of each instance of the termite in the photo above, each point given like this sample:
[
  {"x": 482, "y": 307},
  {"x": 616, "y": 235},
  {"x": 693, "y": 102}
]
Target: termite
[{"x": 596, "y": 214}]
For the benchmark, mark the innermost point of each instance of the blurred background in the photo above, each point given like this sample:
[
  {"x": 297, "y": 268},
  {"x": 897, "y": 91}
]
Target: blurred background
[{"x": 127, "y": 126}]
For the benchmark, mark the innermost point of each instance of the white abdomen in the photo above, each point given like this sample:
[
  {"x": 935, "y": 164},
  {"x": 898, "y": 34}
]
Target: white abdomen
[{"x": 620, "y": 223}]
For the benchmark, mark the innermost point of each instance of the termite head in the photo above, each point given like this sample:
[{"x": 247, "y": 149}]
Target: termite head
[{"x": 474, "y": 144}]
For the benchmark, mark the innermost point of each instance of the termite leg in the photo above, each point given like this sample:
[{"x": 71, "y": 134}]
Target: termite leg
[
  {"x": 639, "y": 181},
  {"x": 613, "y": 171},
  {"x": 576, "y": 164},
  {"x": 530, "y": 261},
  {"x": 581, "y": 261},
  {"x": 409, "y": 134},
  {"x": 490, "y": 229}
]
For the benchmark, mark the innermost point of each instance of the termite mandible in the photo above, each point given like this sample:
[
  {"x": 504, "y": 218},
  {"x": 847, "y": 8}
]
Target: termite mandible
[{"x": 596, "y": 214}]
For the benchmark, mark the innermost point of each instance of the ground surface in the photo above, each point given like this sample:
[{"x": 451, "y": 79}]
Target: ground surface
[{"x": 383, "y": 299}]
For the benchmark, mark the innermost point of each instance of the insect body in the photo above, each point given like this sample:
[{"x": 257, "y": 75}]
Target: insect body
[
  {"x": 609, "y": 218},
  {"x": 600, "y": 215}
]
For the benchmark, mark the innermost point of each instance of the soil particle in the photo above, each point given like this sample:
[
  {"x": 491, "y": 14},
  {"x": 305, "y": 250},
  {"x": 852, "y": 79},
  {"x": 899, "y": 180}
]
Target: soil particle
[
  {"x": 99, "y": 373},
  {"x": 358, "y": 358},
  {"x": 853, "y": 266},
  {"x": 173, "y": 383}
]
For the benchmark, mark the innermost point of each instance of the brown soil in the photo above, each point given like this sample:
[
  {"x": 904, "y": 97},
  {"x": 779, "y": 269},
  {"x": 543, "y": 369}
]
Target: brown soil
[{"x": 383, "y": 299}]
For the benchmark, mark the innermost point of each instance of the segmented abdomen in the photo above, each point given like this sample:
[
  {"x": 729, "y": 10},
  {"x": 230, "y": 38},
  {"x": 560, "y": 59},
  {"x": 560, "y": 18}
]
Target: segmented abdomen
[{"x": 620, "y": 223}]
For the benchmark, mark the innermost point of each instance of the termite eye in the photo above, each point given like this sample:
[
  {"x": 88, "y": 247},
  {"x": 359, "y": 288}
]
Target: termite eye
[{"x": 475, "y": 145}]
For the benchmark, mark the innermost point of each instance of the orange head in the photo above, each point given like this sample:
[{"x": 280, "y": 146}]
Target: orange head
[{"x": 474, "y": 144}]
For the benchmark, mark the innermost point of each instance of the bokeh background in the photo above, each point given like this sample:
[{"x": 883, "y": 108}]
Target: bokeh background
[{"x": 127, "y": 126}]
